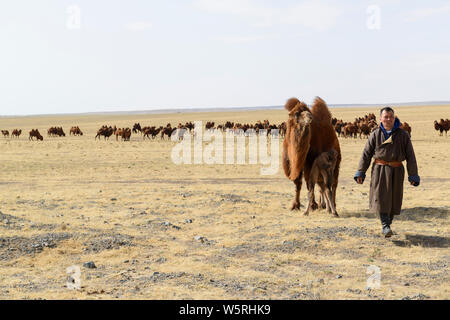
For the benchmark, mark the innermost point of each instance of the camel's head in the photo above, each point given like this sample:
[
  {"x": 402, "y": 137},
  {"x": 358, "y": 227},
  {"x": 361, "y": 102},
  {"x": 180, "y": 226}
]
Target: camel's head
[
  {"x": 332, "y": 156},
  {"x": 436, "y": 125},
  {"x": 299, "y": 114},
  {"x": 301, "y": 119}
]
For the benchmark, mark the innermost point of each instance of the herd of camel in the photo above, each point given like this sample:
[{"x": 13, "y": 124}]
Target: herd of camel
[
  {"x": 362, "y": 126},
  {"x": 169, "y": 130},
  {"x": 51, "y": 132}
]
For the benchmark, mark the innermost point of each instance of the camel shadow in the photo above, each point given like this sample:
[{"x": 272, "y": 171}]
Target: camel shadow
[{"x": 423, "y": 241}]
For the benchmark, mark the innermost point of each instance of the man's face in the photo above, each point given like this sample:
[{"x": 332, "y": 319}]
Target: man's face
[{"x": 387, "y": 119}]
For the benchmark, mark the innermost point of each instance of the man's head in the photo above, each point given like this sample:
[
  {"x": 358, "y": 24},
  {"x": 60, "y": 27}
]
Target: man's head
[{"x": 387, "y": 118}]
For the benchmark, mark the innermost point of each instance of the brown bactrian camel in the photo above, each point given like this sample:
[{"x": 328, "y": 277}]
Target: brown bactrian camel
[
  {"x": 296, "y": 144},
  {"x": 305, "y": 140},
  {"x": 323, "y": 167}
]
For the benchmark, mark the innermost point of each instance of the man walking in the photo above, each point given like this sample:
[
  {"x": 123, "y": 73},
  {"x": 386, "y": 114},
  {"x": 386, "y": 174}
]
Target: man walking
[{"x": 389, "y": 146}]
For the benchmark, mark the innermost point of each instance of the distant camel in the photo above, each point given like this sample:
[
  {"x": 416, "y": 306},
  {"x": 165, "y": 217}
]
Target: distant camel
[
  {"x": 75, "y": 131},
  {"x": 405, "y": 126},
  {"x": 16, "y": 133},
  {"x": 442, "y": 125},
  {"x": 35, "y": 133}
]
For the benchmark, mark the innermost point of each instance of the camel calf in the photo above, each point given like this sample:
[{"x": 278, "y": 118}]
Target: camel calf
[{"x": 322, "y": 173}]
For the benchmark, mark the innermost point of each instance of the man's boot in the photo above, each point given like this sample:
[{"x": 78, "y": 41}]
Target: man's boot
[
  {"x": 391, "y": 218},
  {"x": 385, "y": 223}
]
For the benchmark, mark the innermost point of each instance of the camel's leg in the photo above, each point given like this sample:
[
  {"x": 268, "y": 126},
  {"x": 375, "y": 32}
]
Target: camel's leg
[
  {"x": 310, "y": 197},
  {"x": 333, "y": 192},
  {"x": 320, "y": 181},
  {"x": 314, "y": 205},
  {"x": 322, "y": 200},
  {"x": 327, "y": 201},
  {"x": 323, "y": 195},
  {"x": 330, "y": 206},
  {"x": 298, "y": 187},
  {"x": 334, "y": 183},
  {"x": 330, "y": 187}
]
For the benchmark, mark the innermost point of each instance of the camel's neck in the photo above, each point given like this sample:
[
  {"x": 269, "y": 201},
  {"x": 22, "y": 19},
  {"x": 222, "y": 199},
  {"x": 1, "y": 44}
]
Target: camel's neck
[{"x": 302, "y": 138}]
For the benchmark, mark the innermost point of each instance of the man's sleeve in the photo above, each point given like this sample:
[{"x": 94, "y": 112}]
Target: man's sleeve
[
  {"x": 411, "y": 164},
  {"x": 366, "y": 157}
]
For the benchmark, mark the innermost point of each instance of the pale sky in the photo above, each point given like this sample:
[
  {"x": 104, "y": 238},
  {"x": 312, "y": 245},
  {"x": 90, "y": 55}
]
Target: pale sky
[{"x": 59, "y": 56}]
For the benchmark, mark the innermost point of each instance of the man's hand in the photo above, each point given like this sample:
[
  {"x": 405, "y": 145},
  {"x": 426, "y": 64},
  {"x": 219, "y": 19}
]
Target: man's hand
[
  {"x": 359, "y": 180},
  {"x": 414, "y": 183}
]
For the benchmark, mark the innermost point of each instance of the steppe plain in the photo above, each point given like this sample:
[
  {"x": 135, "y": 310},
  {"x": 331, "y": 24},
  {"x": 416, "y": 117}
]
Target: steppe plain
[{"x": 157, "y": 230}]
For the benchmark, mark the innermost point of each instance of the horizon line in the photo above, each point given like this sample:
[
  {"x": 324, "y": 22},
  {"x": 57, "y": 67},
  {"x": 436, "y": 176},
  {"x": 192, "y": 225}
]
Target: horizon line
[{"x": 218, "y": 109}]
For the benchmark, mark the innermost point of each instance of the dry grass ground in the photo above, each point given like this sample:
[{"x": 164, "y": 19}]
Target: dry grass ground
[{"x": 127, "y": 207}]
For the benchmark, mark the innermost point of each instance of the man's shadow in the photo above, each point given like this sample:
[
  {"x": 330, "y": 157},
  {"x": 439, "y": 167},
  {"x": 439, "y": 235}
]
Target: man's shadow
[
  {"x": 417, "y": 214},
  {"x": 423, "y": 241},
  {"x": 422, "y": 214}
]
